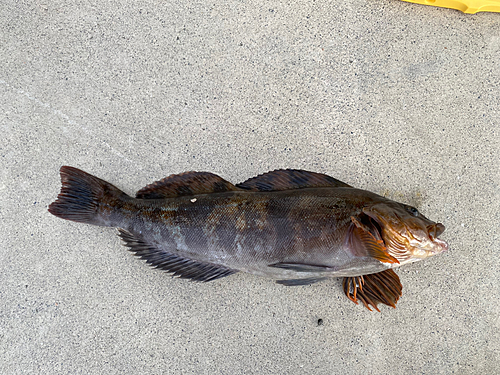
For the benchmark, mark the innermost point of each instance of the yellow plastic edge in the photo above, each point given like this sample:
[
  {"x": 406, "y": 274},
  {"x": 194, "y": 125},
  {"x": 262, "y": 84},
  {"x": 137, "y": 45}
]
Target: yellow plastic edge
[{"x": 466, "y": 6}]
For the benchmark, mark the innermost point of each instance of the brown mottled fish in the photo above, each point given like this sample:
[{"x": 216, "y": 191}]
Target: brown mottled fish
[{"x": 294, "y": 226}]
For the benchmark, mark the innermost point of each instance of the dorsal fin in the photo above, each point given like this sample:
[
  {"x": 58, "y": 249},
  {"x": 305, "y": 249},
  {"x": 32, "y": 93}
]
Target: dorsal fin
[
  {"x": 287, "y": 179},
  {"x": 188, "y": 183}
]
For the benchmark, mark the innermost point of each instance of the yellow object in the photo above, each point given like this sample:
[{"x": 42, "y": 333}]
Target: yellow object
[{"x": 466, "y": 6}]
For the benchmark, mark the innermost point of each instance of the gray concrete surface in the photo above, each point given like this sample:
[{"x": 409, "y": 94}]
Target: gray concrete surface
[{"x": 397, "y": 98}]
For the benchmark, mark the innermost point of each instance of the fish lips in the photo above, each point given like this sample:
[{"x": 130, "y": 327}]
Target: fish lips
[{"x": 435, "y": 230}]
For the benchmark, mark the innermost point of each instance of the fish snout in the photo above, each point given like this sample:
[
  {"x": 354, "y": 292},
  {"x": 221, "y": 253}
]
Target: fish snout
[
  {"x": 435, "y": 230},
  {"x": 439, "y": 229}
]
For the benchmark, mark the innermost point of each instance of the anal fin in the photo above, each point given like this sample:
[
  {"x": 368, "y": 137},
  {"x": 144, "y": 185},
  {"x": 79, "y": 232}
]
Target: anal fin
[
  {"x": 184, "y": 268},
  {"x": 382, "y": 287}
]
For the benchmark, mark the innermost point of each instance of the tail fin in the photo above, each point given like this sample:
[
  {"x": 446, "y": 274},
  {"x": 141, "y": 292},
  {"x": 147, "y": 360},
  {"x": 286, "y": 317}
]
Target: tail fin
[{"x": 81, "y": 197}]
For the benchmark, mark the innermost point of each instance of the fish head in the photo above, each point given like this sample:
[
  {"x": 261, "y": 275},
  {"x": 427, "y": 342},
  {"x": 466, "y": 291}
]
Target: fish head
[{"x": 407, "y": 234}]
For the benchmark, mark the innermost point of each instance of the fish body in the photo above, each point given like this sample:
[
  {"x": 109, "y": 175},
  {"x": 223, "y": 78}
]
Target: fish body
[{"x": 294, "y": 226}]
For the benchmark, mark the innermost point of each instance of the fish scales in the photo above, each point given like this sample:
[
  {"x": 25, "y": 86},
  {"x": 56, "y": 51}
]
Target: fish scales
[
  {"x": 242, "y": 228},
  {"x": 295, "y": 226}
]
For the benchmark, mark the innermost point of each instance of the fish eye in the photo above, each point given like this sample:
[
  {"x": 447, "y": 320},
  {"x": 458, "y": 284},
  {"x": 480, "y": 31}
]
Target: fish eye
[{"x": 412, "y": 210}]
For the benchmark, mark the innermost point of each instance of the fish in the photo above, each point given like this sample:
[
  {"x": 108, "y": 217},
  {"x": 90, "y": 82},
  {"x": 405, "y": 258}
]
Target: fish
[{"x": 293, "y": 226}]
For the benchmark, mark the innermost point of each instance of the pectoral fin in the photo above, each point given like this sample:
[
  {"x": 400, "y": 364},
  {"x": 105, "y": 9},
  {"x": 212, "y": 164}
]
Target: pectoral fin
[
  {"x": 298, "y": 267},
  {"x": 364, "y": 239},
  {"x": 297, "y": 282},
  {"x": 383, "y": 287}
]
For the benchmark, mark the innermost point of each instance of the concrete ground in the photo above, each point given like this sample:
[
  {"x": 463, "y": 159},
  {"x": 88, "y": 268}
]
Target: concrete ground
[{"x": 396, "y": 98}]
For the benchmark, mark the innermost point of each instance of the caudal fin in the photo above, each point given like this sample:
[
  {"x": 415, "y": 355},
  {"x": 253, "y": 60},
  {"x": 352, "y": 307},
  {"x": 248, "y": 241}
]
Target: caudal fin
[{"x": 81, "y": 197}]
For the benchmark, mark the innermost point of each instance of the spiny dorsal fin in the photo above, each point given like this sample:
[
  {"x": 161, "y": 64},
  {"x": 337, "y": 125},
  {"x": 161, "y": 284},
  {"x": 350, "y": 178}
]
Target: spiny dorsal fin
[
  {"x": 185, "y": 268},
  {"x": 188, "y": 183},
  {"x": 287, "y": 179},
  {"x": 383, "y": 287},
  {"x": 364, "y": 239}
]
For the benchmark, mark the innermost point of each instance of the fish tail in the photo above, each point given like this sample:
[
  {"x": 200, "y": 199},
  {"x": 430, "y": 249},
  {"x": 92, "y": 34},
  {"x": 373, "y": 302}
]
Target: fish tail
[{"x": 85, "y": 198}]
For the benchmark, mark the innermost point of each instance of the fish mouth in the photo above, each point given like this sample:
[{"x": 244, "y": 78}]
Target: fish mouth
[
  {"x": 434, "y": 231},
  {"x": 422, "y": 247},
  {"x": 443, "y": 245}
]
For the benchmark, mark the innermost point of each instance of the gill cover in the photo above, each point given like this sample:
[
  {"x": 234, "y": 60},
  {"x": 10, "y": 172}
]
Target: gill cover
[{"x": 364, "y": 238}]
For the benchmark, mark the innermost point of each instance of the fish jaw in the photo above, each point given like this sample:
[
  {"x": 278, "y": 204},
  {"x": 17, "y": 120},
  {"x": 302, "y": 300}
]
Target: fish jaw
[
  {"x": 424, "y": 244},
  {"x": 426, "y": 249}
]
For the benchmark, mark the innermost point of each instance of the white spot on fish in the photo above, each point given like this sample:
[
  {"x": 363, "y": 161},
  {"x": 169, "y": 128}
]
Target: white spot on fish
[
  {"x": 193, "y": 200},
  {"x": 179, "y": 239}
]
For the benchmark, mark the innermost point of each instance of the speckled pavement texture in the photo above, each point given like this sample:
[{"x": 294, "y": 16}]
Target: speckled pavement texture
[{"x": 396, "y": 98}]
